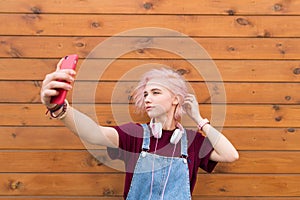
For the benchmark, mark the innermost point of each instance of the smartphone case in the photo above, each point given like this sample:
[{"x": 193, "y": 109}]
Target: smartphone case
[{"x": 69, "y": 62}]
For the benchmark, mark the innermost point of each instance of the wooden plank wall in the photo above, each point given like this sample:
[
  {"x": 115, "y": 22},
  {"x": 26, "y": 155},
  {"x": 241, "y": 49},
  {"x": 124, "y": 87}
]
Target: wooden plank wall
[{"x": 255, "y": 45}]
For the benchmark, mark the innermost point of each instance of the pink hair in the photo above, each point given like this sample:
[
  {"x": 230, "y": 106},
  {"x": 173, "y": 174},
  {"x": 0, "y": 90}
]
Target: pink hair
[{"x": 174, "y": 82}]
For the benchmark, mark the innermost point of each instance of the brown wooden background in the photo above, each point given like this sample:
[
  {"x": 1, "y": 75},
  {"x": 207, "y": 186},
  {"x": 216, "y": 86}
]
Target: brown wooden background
[{"x": 255, "y": 45}]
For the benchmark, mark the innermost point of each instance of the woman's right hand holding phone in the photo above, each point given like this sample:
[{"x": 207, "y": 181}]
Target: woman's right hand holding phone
[{"x": 60, "y": 79}]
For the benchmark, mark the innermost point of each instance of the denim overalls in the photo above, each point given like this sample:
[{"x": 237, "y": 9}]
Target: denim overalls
[{"x": 159, "y": 177}]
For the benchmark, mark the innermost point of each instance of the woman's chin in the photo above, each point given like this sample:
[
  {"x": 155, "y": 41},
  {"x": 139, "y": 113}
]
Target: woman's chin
[
  {"x": 151, "y": 114},
  {"x": 156, "y": 115}
]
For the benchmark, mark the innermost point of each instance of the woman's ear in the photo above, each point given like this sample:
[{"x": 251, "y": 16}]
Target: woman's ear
[{"x": 175, "y": 100}]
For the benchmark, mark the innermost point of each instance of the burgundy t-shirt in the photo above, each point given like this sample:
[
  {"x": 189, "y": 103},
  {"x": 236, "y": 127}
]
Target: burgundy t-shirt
[{"x": 130, "y": 146}]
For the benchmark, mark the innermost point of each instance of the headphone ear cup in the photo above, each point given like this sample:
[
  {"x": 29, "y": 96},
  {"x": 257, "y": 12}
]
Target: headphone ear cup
[{"x": 176, "y": 136}]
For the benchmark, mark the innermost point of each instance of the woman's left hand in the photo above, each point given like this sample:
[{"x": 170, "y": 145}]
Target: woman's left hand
[{"x": 191, "y": 107}]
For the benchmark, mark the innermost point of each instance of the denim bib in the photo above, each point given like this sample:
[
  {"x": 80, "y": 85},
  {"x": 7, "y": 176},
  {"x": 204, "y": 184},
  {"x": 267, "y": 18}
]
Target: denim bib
[{"x": 159, "y": 177}]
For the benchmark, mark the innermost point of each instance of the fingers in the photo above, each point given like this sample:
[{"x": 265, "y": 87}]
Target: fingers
[
  {"x": 53, "y": 85},
  {"x": 61, "y": 75},
  {"x": 190, "y": 98},
  {"x": 46, "y": 95},
  {"x": 61, "y": 79},
  {"x": 191, "y": 107},
  {"x": 57, "y": 80},
  {"x": 190, "y": 104}
]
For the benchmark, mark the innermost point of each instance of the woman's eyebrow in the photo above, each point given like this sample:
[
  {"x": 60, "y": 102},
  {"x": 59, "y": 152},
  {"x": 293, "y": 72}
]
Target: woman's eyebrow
[{"x": 153, "y": 89}]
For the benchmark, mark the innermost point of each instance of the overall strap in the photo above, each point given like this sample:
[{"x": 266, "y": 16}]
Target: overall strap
[
  {"x": 146, "y": 141},
  {"x": 146, "y": 137},
  {"x": 184, "y": 144}
]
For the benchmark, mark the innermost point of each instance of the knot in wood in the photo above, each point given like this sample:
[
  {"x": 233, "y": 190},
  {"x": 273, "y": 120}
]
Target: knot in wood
[
  {"x": 242, "y": 21},
  {"x": 182, "y": 71},
  {"x": 276, "y": 107},
  {"x": 141, "y": 51},
  {"x": 288, "y": 98},
  {"x": 148, "y": 5},
  {"x": 36, "y": 10},
  {"x": 296, "y": 71},
  {"x": 14, "y": 185},
  {"x": 277, "y": 7},
  {"x": 291, "y": 130},
  {"x": 80, "y": 44},
  {"x": 231, "y": 49},
  {"x": 265, "y": 34},
  {"x": 231, "y": 12},
  {"x": 108, "y": 192},
  {"x": 95, "y": 24}
]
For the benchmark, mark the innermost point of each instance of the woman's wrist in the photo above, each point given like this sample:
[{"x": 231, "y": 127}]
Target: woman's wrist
[
  {"x": 202, "y": 123},
  {"x": 54, "y": 107},
  {"x": 58, "y": 111},
  {"x": 198, "y": 119}
]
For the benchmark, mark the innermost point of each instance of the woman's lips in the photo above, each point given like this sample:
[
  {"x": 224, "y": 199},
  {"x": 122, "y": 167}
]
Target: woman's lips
[{"x": 149, "y": 108}]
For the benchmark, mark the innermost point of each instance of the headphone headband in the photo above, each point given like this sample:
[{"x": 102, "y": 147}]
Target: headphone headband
[{"x": 156, "y": 129}]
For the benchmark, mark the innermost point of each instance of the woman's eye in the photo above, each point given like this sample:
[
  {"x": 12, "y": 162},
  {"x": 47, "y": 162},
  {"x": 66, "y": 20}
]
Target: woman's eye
[{"x": 145, "y": 95}]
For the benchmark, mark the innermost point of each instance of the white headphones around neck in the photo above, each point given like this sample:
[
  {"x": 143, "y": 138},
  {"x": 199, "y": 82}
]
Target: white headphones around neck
[{"x": 156, "y": 129}]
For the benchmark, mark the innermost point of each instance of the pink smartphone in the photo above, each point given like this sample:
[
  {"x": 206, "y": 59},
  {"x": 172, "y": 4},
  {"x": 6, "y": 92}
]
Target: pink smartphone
[{"x": 69, "y": 62}]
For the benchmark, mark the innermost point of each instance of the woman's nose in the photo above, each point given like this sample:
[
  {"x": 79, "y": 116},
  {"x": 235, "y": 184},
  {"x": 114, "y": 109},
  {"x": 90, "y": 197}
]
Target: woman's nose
[{"x": 147, "y": 99}]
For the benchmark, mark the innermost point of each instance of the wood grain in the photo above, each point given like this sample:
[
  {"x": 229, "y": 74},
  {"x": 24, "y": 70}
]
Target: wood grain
[
  {"x": 110, "y": 185},
  {"x": 136, "y": 47},
  {"x": 121, "y": 92},
  {"x": 249, "y": 115},
  {"x": 60, "y": 138},
  {"x": 230, "y": 70},
  {"x": 230, "y": 7},
  {"x": 92, "y": 161},
  {"x": 191, "y": 25},
  {"x": 252, "y": 47}
]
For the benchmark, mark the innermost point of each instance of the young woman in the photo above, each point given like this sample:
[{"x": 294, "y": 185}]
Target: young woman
[{"x": 161, "y": 157}]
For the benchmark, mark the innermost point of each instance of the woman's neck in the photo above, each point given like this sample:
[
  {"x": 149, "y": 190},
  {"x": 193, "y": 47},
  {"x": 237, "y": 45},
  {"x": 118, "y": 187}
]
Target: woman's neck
[{"x": 167, "y": 123}]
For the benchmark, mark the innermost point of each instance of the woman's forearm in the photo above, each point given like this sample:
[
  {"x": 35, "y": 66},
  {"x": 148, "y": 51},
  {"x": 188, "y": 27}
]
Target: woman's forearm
[
  {"x": 225, "y": 151},
  {"x": 86, "y": 128}
]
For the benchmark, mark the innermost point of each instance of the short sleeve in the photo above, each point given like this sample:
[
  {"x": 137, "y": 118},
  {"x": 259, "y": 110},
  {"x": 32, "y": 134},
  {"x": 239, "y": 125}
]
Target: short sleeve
[
  {"x": 116, "y": 153},
  {"x": 204, "y": 155},
  {"x": 128, "y": 137},
  {"x": 202, "y": 149}
]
